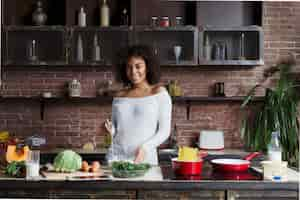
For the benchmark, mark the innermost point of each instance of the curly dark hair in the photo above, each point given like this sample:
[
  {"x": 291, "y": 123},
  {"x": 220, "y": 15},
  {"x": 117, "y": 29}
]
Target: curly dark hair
[{"x": 147, "y": 54}]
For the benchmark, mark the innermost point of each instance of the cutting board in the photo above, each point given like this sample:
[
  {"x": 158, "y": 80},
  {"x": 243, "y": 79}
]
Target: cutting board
[
  {"x": 154, "y": 174},
  {"x": 51, "y": 175}
]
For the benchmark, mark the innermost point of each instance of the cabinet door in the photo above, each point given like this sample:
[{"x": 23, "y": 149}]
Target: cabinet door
[
  {"x": 263, "y": 195},
  {"x": 93, "y": 194},
  {"x": 181, "y": 195}
]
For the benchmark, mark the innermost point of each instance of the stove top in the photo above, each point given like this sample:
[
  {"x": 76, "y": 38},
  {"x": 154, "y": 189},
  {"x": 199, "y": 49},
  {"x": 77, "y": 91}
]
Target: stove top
[{"x": 208, "y": 173}]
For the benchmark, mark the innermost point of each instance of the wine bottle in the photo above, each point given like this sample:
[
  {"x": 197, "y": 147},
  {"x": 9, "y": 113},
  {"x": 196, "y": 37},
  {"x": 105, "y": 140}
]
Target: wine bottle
[
  {"x": 104, "y": 14},
  {"x": 81, "y": 18},
  {"x": 79, "y": 55}
]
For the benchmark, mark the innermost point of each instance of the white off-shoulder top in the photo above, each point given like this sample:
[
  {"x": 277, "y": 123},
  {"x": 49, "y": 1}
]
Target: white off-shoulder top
[{"x": 140, "y": 122}]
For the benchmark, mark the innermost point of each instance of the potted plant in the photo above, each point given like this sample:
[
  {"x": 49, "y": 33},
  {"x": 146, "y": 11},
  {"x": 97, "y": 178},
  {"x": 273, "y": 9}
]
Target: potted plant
[{"x": 277, "y": 113}]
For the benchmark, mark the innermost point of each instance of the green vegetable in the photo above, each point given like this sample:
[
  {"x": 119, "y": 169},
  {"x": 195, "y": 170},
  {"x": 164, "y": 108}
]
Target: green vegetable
[
  {"x": 67, "y": 161},
  {"x": 16, "y": 169},
  {"x": 123, "y": 169}
]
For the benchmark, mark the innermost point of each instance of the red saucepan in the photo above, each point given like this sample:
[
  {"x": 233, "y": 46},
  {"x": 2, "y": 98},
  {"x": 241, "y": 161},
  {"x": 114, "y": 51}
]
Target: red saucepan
[
  {"x": 187, "y": 167},
  {"x": 233, "y": 164}
]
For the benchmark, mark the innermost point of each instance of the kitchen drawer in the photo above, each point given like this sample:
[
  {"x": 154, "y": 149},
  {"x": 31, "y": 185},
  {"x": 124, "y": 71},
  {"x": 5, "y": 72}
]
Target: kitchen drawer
[
  {"x": 180, "y": 195},
  {"x": 263, "y": 195},
  {"x": 69, "y": 194}
]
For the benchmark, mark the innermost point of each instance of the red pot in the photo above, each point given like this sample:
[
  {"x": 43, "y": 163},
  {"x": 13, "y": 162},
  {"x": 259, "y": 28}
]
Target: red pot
[
  {"x": 233, "y": 164},
  {"x": 186, "y": 167}
]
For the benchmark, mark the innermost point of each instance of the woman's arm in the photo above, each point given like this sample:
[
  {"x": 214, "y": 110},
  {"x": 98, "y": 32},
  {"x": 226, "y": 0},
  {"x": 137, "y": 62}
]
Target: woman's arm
[{"x": 164, "y": 122}]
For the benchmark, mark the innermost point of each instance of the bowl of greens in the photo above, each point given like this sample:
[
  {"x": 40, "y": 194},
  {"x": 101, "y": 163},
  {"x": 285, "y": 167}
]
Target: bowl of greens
[{"x": 125, "y": 169}]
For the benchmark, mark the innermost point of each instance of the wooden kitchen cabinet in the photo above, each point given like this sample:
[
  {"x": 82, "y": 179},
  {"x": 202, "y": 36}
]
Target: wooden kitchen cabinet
[
  {"x": 262, "y": 195},
  {"x": 243, "y": 45},
  {"x": 110, "y": 40},
  {"x": 164, "y": 40},
  {"x": 69, "y": 194},
  {"x": 182, "y": 195},
  {"x": 195, "y": 15},
  {"x": 18, "y": 45}
]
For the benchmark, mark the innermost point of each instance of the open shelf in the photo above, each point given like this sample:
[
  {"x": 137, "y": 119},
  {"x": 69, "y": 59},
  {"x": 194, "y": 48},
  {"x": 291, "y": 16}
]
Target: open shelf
[
  {"x": 199, "y": 22},
  {"x": 231, "y": 62},
  {"x": 241, "y": 45},
  {"x": 164, "y": 39}
]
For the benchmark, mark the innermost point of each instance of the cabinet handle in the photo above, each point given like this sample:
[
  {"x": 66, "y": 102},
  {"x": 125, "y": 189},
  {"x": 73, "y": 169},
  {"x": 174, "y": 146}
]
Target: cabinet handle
[
  {"x": 220, "y": 195},
  {"x": 232, "y": 195}
]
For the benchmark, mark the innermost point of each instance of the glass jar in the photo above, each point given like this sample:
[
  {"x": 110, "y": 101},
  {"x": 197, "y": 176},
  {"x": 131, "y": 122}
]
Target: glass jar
[
  {"x": 154, "y": 21},
  {"x": 164, "y": 22},
  {"x": 178, "y": 21},
  {"x": 74, "y": 88}
]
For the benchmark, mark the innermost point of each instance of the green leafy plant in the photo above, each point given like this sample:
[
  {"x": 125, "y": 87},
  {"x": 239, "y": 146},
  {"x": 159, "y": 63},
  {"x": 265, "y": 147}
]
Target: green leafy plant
[
  {"x": 278, "y": 113},
  {"x": 16, "y": 169}
]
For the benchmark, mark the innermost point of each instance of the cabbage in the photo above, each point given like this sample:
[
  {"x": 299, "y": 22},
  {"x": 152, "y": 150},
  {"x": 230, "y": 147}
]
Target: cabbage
[{"x": 67, "y": 161}]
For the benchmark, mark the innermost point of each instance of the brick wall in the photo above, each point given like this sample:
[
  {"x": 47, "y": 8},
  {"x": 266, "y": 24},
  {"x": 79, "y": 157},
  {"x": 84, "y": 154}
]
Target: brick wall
[{"x": 72, "y": 124}]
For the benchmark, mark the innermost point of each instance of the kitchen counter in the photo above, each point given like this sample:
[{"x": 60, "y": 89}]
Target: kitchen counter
[
  {"x": 157, "y": 179},
  {"x": 158, "y": 183}
]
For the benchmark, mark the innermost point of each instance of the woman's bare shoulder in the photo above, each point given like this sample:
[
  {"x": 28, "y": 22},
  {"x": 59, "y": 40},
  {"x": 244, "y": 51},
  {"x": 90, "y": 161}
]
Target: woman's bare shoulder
[
  {"x": 121, "y": 93},
  {"x": 158, "y": 88}
]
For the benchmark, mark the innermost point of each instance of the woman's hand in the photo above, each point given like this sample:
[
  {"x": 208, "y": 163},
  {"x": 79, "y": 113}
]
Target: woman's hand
[
  {"x": 140, "y": 155},
  {"x": 108, "y": 126}
]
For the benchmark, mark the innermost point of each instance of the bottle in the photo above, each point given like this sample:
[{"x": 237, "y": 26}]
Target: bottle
[
  {"x": 39, "y": 17},
  {"x": 104, "y": 14},
  {"x": 79, "y": 55},
  {"x": 207, "y": 49},
  {"x": 96, "y": 49},
  {"x": 124, "y": 18},
  {"x": 242, "y": 47},
  {"x": 274, "y": 148},
  {"x": 81, "y": 17}
]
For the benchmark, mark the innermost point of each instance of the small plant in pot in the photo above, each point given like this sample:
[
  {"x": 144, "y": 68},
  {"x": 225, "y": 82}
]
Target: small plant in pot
[{"x": 277, "y": 113}]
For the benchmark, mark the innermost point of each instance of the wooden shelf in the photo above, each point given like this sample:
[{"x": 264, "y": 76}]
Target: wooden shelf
[
  {"x": 34, "y": 28},
  {"x": 231, "y": 28},
  {"x": 231, "y": 62},
  {"x": 37, "y": 63},
  {"x": 61, "y": 63},
  {"x": 170, "y": 28},
  {"x": 109, "y": 98},
  {"x": 98, "y": 28},
  {"x": 213, "y": 99}
]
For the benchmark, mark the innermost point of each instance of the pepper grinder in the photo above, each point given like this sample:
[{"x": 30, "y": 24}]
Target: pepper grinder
[{"x": 32, "y": 51}]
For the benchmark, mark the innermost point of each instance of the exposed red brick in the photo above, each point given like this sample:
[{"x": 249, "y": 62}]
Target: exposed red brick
[{"x": 69, "y": 124}]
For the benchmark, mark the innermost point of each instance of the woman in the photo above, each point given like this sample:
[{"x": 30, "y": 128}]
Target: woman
[{"x": 141, "y": 113}]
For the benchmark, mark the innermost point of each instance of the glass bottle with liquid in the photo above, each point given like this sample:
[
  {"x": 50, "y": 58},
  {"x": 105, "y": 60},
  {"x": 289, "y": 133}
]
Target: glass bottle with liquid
[
  {"x": 104, "y": 14},
  {"x": 274, "y": 147}
]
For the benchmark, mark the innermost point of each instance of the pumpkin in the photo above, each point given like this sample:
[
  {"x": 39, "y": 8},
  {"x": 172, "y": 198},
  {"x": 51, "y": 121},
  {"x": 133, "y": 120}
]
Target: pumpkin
[{"x": 14, "y": 154}]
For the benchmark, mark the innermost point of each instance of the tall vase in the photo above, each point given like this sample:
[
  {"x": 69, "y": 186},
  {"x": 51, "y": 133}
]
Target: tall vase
[{"x": 39, "y": 17}]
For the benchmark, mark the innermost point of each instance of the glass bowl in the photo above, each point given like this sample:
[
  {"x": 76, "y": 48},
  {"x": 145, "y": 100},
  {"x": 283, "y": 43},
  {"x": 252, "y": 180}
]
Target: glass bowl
[{"x": 122, "y": 173}]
